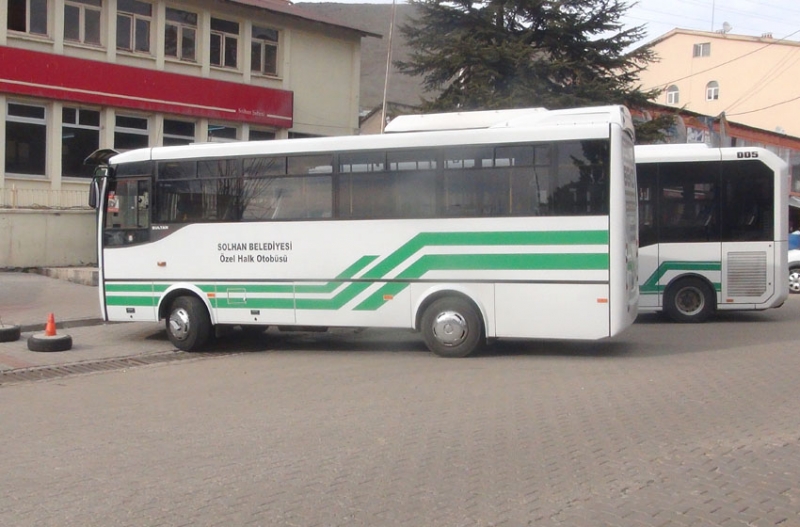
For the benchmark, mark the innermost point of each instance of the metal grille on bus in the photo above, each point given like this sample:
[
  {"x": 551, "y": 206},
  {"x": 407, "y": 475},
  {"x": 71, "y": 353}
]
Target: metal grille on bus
[{"x": 747, "y": 274}]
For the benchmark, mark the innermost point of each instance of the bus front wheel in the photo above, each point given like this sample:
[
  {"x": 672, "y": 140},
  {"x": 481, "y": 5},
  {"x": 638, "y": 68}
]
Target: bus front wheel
[
  {"x": 689, "y": 300},
  {"x": 188, "y": 323},
  {"x": 452, "y": 327}
]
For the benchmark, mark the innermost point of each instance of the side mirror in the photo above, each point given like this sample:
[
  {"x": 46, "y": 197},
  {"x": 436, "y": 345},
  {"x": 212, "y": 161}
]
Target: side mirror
[
  {"x": 100, "y": 174},
  {"x": 94, "y": 192}
]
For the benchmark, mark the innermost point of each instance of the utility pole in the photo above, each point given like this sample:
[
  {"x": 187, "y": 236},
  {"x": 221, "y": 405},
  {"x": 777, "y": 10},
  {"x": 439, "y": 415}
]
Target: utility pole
[{"x": 388, "y": 67}]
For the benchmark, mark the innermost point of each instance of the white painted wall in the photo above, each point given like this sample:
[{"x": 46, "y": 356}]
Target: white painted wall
[{"x": 42, "y": 238}]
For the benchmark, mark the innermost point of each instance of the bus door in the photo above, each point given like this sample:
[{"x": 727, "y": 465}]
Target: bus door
[
  {"x": 127, "y": 224},
  {"x": 646, "y": 178},
  {"x": 687, "y": 219}
]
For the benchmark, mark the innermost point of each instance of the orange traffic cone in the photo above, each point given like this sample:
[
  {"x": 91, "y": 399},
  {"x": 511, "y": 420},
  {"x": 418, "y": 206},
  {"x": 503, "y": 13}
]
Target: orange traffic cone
[{"x": 50, "y": 328}]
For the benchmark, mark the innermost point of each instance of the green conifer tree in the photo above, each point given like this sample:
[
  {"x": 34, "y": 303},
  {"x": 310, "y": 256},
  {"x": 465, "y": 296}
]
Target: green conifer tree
[{"x": 500, "y": 54}]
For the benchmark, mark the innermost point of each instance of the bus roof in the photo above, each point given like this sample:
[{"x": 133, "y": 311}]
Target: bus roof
[
  {"x": 699, "y": 152},
  {"x": 515, "y": 118},
  {"x": 526, "y": 125},
  {"x": 455, "y": 120}
]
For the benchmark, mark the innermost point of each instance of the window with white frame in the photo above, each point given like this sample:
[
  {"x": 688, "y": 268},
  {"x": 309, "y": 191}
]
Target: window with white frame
[
  {"x": 178, "y": 132},
  {"x": 134, "y": 20},
  {"x": 701, "y": 50},
  {"x": 673, "y": 95},
  {"x": 28, "y": 16},
  {"x": 224, "y": 48},
  {"x": 712, "y": 91},
  {"x": 82, "y": 21},
  {"x": 131, "y": 132},
  {"x": 80, "y": 136},
  {"x": 180, "y": 34},
  {"x": 26, "y": 138},
  {"x": 264, "y": 56}
]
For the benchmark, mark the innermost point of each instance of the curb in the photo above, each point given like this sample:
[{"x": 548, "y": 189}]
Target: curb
[{"x": 65, "y": 324}]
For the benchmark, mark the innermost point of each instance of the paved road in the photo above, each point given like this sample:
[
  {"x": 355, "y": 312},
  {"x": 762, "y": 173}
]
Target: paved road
[{"x": 666, "y": 425}]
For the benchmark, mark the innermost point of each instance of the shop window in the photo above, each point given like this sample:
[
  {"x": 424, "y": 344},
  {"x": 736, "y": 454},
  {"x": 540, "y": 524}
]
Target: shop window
[
  {"x": 80, "y": 136},
  {"x": 26, "y": 139},
  {"x": 261, "y": 135},
  {"x": 264, "y": 57},
  {"x": 180, "y": 35},
  {"x": 82, "y": 21},
  {"x": 134, "y": 19},
  {"x": 219, "y": 133},
  {"x": 224, "y": 43},
  {"x": 178, "y": 132},
  {"x": 131, "y": 132},
  {"x": 28, "y": 16}
]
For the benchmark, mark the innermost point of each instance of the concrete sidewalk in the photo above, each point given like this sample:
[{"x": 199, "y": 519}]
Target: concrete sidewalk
[{"x": 26, "y": 299}]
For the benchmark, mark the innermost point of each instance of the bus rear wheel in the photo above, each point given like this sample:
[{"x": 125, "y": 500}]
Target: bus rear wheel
[
  {"x": 689, "y": 300},
  {"x": 451, "y": 327},
  {"x": 188, "y": 323}
]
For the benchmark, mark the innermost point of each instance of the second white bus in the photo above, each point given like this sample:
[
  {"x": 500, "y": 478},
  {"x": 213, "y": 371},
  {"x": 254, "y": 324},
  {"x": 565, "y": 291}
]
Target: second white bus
[{"x": 713, "y": 230}]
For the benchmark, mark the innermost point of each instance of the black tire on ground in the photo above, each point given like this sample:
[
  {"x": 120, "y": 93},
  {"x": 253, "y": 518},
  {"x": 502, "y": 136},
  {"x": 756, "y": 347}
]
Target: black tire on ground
[
  {"x": 689, "y": 300},
  {"x": 9, "y": 333},
  {"x": 452, "y": 327},
  {"x": 794, "y": 279},
  {"x": 42, "y": 342},
  {"x": 188, "y": 324}
]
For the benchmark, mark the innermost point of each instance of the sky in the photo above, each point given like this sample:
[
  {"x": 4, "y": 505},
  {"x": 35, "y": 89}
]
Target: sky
[{"x": 744, "y": 17}]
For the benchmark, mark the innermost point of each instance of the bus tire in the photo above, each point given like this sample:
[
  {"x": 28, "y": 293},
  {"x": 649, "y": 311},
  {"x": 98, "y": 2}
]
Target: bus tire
[
  {"x": 188, "y": 324},
  {"x": 794, "y": 280},
  {"x": 9, "y": 333},
  {"x": 689, "y": 300},
  {"x": 452, "y": 327}
]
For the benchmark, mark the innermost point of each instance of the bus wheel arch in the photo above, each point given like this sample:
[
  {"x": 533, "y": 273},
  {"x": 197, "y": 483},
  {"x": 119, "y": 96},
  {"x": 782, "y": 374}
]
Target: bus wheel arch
[
  {"x": 451, "y": 324},
  {"x": 690, "y": 298},
  {"x": 187, "y": 319}
]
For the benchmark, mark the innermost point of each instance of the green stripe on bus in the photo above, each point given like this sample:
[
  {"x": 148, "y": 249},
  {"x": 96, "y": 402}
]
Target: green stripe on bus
[
  {"x": 442, "y": 239},
  {"x": 424, "y": 264},
  {"x": 493, "y": 262},
  {"x": 651, "y": 286},
  {"x": 129, "y": 288},
  {"x": 147, "y": 301}
]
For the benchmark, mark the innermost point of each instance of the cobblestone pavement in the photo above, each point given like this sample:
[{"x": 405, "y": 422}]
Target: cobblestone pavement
[{"x": 666, "y": 425}]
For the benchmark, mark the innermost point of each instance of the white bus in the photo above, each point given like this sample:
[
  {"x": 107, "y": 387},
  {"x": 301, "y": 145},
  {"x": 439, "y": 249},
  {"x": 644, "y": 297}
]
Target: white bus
[
  {"x": 526, "y": 229},
  {"x": 713, "y": 230}
]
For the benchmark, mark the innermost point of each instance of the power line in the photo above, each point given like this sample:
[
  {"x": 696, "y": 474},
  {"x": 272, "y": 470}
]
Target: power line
[
  {"x": 766, "y": 107},
  {"x": 774, "y": 72},
  {"x": 731, "y": 60}
]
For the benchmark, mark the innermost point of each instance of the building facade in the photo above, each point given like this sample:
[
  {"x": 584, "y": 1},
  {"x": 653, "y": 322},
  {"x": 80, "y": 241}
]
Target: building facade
[
  {"x": 752, "y": 80},
  {"x": 78, "y": 75}
]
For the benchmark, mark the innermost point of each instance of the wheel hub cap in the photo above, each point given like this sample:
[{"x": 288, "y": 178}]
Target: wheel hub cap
[
  {"x": 450, "y": 328},
  {"x": 179, "y": 324},
  {"x": 690, "y": 300}
]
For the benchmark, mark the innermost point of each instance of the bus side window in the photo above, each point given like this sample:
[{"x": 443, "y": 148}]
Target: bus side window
[
  {"x": 748, "y": 201},
  {"x": 646, "y": 174}
]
